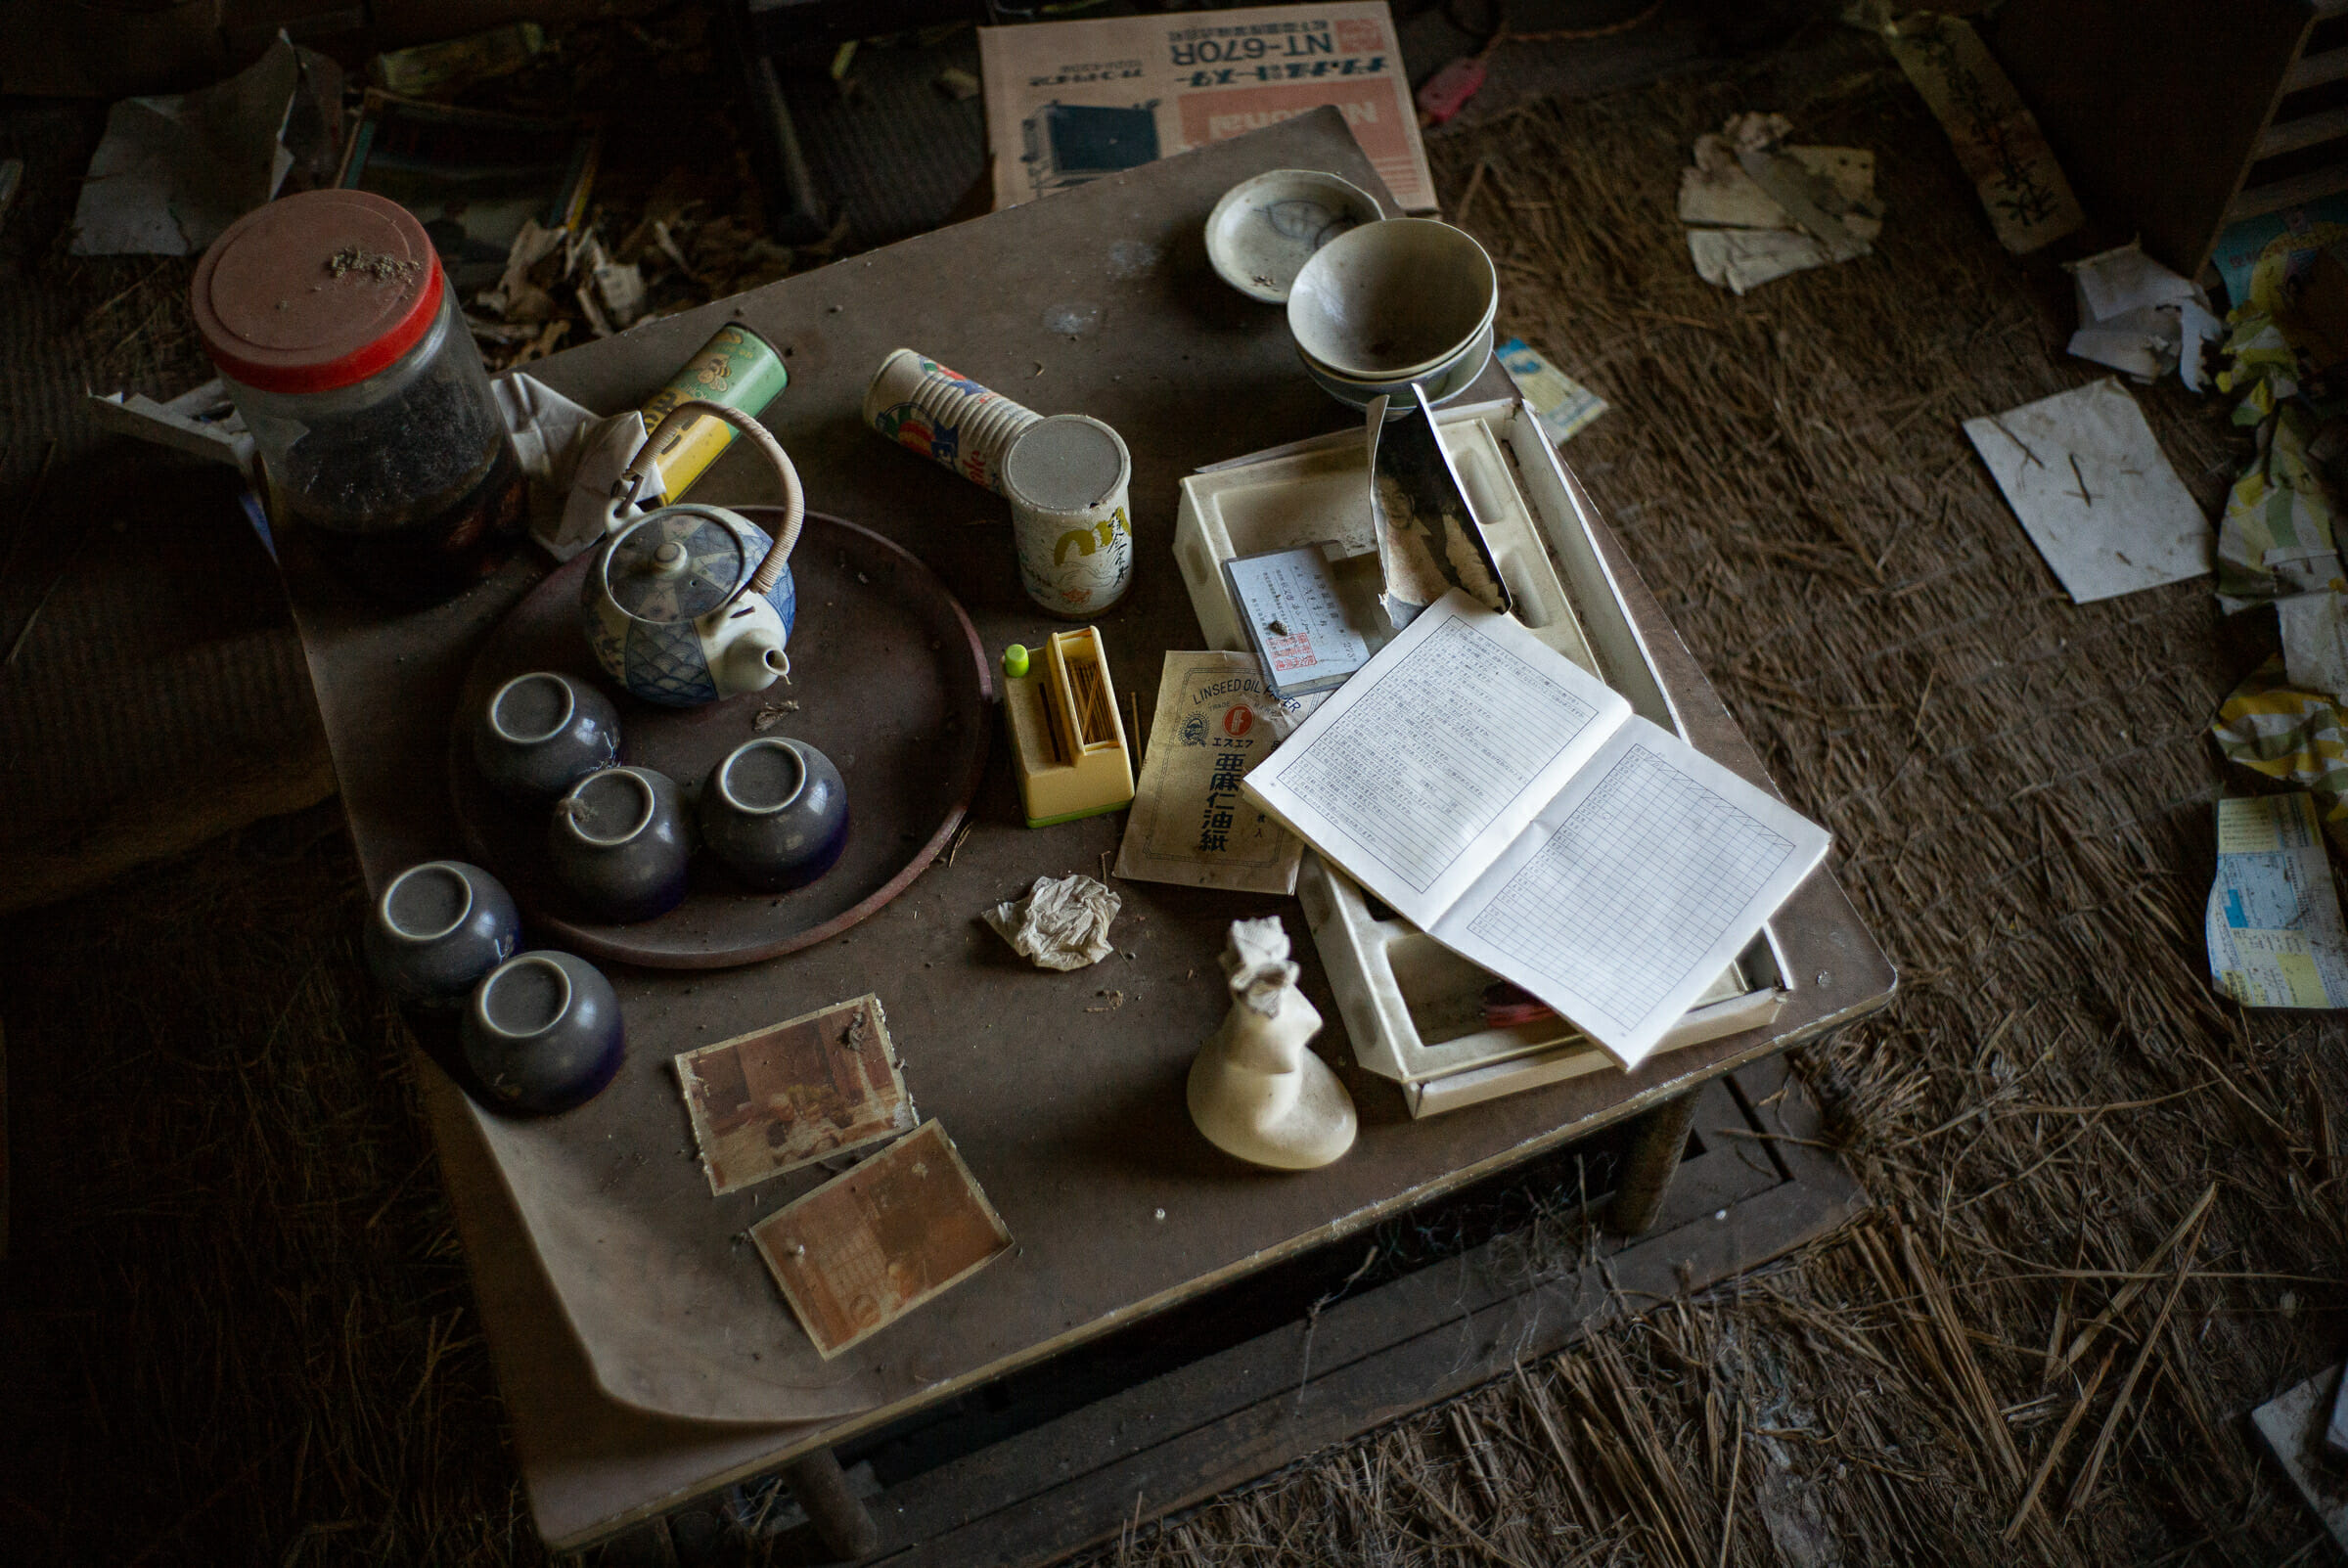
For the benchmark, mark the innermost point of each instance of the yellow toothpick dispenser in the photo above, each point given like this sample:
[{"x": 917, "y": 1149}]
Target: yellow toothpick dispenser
[{"x": 1067, "y": 742}]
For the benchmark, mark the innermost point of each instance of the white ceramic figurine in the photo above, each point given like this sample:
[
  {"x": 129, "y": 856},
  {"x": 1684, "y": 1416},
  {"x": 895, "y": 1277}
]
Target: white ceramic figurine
[{"x": 1257, "y": 1091}]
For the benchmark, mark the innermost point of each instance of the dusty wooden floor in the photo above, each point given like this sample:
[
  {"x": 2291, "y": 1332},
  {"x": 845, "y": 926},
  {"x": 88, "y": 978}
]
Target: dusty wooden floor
[{"x": 2108, "y": 1216}]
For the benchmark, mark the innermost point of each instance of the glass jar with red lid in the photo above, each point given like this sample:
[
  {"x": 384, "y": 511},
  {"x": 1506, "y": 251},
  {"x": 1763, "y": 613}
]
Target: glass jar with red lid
[{"x": 337, "y": 331}]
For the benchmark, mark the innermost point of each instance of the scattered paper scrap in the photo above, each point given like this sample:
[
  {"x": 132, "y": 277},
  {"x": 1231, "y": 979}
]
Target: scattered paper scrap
[
  {"x": 1063, "y": 923},
  {"x": 867, "y": 1247},
  {"x": 1996, "y": 137},
  {"x": 201, "y": 423},
  {"x": 2136, "y": 315},
  {"x": 1188, "y": 823},
  {"x": 2276, "y": 537},
  {"x": 2084, "y": 474},
  {"x": 1563, "y": 405},
  {"x": 171, "y": 173},
  {"x": 2293, "y": 1424},
  {"x": 1757, "y": 210},
  {"x": 2275, "y": 937},
  {"x": 783, "y": 1097},
  {"x": 2315, "y": 641},
  {"x": 600, "y": 456},
  {"x": 2273, "y": 728}
]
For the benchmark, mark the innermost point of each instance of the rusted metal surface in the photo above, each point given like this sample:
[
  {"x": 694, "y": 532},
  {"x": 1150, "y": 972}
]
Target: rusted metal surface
[
  {"x": 644, "y": 1353},
  {"x": 887, "y": 680}
]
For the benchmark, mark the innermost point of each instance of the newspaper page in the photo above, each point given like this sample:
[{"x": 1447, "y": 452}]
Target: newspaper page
[
  {"x": 1215, "y": 721},
  {"x": 1068, "y": 102},
  {"x": 2275, "y": 938}
]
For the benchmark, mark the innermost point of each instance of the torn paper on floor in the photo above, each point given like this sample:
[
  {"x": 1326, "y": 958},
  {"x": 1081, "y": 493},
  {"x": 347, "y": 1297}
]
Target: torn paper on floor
[
  {"x": 2276, "y": 537},
  {"x": 2275, "y": 937},
  {"x": 2136, "y": 315},
  {"x": 1996, "y": 138},
  {"x": 2315, "y": 641},
  {"x": 1757, "y": 210},
  {"x": 201, "y": 423},
  {"x": 1561, "y": 404},
  {"x": 2085, "y": 475},
  {"x": 1063, "y": 923},
  {"x": 2301, "y": 737},
  {"x": 171, "y": 173}
]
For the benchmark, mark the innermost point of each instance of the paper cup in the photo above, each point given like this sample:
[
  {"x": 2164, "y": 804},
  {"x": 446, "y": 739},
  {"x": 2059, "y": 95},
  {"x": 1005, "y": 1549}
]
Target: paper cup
[
  {"x": 1067, "y": 478},
  {"x": 944, "y": 416}
]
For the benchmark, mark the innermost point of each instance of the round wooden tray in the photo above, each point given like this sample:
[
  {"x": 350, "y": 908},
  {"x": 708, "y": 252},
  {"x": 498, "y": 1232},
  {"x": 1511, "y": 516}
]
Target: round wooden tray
[{"x": 891, "y": 683}]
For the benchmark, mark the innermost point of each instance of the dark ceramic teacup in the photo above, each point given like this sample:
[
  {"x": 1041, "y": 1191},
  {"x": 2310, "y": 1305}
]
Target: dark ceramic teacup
[
  {"x": 541, "y": 733},
  {"x": 775, "y": 813},
  {"x": 617, "y": 843},
  {"x": 437, "y": 929},
  {"x": 543, "y": 1033}
]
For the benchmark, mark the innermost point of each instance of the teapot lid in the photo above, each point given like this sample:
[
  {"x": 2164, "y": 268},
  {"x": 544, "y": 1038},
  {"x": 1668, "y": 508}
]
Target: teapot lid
[{"x": 676, "y": 565}]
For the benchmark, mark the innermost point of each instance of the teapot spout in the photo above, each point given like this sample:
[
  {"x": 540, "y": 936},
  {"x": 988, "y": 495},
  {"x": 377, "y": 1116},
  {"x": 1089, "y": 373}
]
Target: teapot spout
[{"x": 751, "y": 664}]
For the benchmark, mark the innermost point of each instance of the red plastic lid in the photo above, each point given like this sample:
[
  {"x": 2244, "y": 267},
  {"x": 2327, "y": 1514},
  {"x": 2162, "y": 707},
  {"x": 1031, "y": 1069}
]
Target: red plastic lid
[{"x": 315, "y": 292}]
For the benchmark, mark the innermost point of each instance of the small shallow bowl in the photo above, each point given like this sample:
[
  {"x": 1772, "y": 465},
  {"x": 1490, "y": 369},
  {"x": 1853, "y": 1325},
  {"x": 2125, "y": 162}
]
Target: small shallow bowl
[
  {"x": 543, "y": 1033},
  {"x": 1265, "y": 229},
  {"x": 775, "y": 813},
  {"x": 541, "y": 733},
  {"x": 618, "y": 844},
  {"x": 1393, "y": 300},
  {"x": 437, "y": 929},
  {"x": 1445, "y": 382}
]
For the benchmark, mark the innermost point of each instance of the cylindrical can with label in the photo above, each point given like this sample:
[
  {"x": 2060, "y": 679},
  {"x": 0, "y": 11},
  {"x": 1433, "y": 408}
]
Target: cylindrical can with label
[
  {"x": 736, "y": 368},
  {"x": 1067, "y": 478},
  {"x": 945, "y": 416}
]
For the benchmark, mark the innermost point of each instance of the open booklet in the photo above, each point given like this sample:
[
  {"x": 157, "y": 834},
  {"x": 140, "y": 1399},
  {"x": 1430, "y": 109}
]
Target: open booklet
[{"x": 1513, "y": 807}]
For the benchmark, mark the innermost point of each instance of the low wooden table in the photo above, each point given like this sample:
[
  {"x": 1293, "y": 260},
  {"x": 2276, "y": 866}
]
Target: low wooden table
[{"x": 645, "y": 1356}]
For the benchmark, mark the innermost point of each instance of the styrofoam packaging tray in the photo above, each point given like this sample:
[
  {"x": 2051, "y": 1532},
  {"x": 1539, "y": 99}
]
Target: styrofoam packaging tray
[{"x": 1413, "y": 1006}]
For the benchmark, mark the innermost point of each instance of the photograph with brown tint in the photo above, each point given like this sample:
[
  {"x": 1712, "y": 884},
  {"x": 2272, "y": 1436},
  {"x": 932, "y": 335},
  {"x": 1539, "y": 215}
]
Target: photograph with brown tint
[
  {"x": 866, "y": 1248},
  {"x": 779, "y": 1097}
]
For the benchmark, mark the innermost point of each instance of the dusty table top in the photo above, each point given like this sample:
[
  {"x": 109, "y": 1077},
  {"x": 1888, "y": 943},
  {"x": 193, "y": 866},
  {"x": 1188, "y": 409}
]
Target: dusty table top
[{"x": 644, "y": 1349}]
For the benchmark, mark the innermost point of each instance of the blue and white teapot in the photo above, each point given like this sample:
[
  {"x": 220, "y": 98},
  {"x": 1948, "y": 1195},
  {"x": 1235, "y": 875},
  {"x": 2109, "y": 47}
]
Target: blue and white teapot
[{"x": 689, "y": 604}]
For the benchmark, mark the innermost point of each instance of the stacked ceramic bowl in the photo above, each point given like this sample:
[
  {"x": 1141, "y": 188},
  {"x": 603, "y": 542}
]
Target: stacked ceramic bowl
[{"x": 1390, "y": 304}]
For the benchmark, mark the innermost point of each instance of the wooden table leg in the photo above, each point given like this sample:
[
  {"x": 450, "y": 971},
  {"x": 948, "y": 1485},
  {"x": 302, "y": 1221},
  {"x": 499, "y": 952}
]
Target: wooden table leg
[
  {"x": 1659, "y": 1137},
  {"x": 844, "y": 1523}
]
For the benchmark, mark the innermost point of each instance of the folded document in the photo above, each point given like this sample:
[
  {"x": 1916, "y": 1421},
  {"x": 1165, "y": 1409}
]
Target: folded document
[{"x": 1513, "y": 807}]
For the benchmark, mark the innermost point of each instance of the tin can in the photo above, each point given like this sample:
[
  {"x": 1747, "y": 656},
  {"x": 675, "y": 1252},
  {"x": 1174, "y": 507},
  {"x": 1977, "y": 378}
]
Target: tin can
[
  {"x": 1067, "y": 478},
  {"x": 736, "y": 368},
  {"x": 945, "y": 417}
]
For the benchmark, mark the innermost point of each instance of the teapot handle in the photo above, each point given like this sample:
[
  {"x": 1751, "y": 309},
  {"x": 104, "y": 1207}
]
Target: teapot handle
[{"x": 794, "y": 500}]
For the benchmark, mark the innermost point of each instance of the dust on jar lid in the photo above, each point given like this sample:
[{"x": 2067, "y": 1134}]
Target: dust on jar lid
[{"x": 316, "y": 290}]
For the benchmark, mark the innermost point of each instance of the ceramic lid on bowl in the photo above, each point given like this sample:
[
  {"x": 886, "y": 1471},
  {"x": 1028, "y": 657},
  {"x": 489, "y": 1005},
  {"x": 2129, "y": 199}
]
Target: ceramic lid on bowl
[
  {"x": 1265, "y": 229},
  {"x": 316, "y": 290},
  {"x": 676, "y": 565}
]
